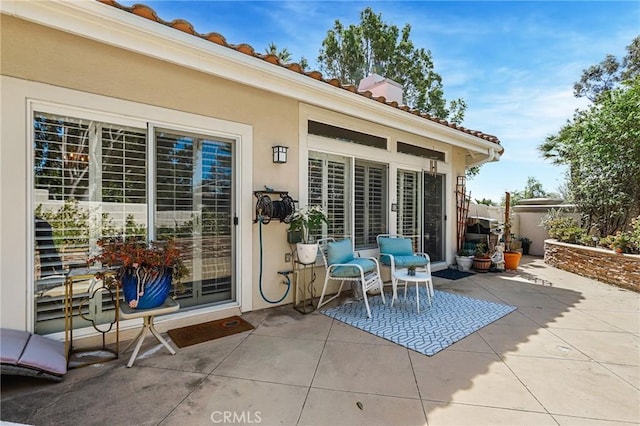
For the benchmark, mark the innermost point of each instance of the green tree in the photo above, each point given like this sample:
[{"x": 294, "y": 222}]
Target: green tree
[
  {"x": 284, "y": 55},
  {"x": 533, "y": 189},
  {"x": 486, "y": 202},
  {"x": 350, "y": 53},
  {"x": 601, "y": 146},
  {"x": 605, "y": 76}
]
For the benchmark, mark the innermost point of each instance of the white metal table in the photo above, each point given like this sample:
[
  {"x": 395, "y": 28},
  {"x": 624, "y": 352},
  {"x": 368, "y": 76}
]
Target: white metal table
[
  {"x": 419, "y": 277},
  {"x": 147, "y": 316}
]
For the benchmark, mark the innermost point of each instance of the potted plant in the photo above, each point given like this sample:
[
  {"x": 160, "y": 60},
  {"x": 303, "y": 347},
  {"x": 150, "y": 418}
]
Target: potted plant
[
  {"x": 526, "y": 243},
  {"x": 307, "y": 221},
  {"x": 464, "y": 259},
  {"x": 411, "y": 271},
  {"x": 481, "y": 259},
  {"x": 513, "y": 251},
  {"x": 145, "y": 271}
]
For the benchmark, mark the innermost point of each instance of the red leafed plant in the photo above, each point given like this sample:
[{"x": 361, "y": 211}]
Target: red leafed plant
[{"x": 130, "y": 255}]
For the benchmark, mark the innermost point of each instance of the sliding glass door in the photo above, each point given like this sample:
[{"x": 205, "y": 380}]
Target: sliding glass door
[
  {"x": 434, "y": 217},
  {"x": 421, "y": 211},
  {"x": 194, "y": 204}
]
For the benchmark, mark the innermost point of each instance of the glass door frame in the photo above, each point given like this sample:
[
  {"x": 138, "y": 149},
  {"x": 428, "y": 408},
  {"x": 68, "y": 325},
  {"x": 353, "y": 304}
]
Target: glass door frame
[
  {"x": 63, "y": 101},
  {"x": 443, "y": 232},
  {"x": 198, "y": 144}
]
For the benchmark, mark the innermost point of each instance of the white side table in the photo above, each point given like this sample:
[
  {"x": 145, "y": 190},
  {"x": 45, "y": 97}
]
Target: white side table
[
  {"x": 147, "y": 315},
  {"x": 419, "y": 277}
]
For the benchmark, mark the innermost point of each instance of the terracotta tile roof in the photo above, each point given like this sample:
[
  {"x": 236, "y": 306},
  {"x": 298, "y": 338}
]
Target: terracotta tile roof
[{"x": 185, "y": 26}]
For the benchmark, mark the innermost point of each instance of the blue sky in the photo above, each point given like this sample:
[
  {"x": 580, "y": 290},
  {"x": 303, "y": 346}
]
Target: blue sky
[{"x": 514, "y": 63}]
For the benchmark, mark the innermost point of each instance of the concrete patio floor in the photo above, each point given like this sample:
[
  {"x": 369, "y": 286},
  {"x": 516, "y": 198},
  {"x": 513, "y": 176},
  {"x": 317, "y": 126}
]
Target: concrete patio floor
[{"x": 569, "y": 355}]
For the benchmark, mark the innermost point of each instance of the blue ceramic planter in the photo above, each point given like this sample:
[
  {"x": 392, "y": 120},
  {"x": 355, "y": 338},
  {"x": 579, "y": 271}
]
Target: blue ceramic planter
[{"x": 154, "y": 291}]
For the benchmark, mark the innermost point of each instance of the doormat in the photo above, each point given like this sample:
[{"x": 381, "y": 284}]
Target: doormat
[
  {"x": 449, "y": 318},
  {"x": 198, "y": 333},
  {"x": 451, "y": 274}
]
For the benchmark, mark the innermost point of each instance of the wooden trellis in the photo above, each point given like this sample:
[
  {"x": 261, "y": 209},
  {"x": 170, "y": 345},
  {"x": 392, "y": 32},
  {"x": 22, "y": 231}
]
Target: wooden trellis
[{"x": 462, "y": 208}]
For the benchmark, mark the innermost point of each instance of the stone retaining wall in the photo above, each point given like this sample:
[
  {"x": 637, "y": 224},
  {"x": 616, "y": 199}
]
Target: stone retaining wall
[{"x": 622, "y": 270}]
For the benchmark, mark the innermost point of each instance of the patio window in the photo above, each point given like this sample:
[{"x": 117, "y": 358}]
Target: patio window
[
  {"x": 89, "y": 182},
  {"x": 370, "y": 196},
  {"x": 409, "y": 190},
  {"x": 330, "y": 185}
]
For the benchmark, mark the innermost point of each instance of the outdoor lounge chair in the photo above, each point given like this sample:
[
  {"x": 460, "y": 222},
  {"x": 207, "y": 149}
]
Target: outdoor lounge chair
[
  {"x": 26, "y": 354},
  {"x": 342, "y": 265}
]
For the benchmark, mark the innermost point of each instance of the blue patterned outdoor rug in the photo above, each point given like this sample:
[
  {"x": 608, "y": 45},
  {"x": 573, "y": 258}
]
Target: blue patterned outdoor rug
[{"x": 449, "y": 318}]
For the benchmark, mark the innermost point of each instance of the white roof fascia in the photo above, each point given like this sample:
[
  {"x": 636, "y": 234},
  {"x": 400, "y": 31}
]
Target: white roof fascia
[{"x": 109, "y": 25}]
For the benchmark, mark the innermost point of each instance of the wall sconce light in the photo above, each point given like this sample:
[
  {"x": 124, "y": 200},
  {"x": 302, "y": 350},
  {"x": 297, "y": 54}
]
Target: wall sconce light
[{"x": 280, "y": 154}]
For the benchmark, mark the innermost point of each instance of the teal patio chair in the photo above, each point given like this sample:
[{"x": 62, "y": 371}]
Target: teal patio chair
[
  {"x": 342, "y": 264},
  {"x": 397, "y": 253}
]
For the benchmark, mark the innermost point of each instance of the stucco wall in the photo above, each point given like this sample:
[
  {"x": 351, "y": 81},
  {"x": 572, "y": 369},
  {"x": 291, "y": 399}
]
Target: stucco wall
[
  {"x": 622, "y": 270},
  {"x": 54, "y": 66},
  {"x": 33, "y": 53}
]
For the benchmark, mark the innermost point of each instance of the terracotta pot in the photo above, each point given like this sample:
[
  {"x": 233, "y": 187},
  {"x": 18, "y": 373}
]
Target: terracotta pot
[{"x": 512, "y": 260}]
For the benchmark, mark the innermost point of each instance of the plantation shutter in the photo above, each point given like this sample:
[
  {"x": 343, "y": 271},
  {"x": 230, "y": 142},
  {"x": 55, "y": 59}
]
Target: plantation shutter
[
  {"x": 370, "y": 197},
  {"x": 89, "y": 179},
  {"x": 408, "y": 221},
  {"x": 329, "y": 187},
  {"x": 124, "y": 181},
  {"x": 78, "y": 161},
  {"x": 61, "y": 173},
  {"x": 174, "y": 175},
  {"x": 124, "y": 166}
]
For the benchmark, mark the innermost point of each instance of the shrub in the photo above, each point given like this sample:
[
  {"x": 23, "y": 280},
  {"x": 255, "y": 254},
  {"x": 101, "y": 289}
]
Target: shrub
[
  {"x": 572, "y": 234},
  {"x": 625, "y": 242},
  {"x": 634, "y": 235},
  {"x": 566, "y": 230},
  {"x": 563, "y": 228}
]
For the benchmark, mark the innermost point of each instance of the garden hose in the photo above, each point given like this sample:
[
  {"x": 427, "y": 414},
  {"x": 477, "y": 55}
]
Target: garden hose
[{"x": 260, "y": 279}]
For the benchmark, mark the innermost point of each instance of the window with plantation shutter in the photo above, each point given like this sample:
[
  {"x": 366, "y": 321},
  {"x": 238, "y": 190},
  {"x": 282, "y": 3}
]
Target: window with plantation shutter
[
  {"x": 120, "y": 176},
  {"x": 124, "y": 166},
  {"x": 370, "y": 199},
  {"x": 90, "y": 181},
  {"x": 330, "y": 178},
  {"x": 329, "y": 187},
  {"x": 409, "y": 189}
]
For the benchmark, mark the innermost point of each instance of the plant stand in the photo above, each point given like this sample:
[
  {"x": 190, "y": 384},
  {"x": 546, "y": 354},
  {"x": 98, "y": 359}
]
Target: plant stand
[
  {"x": 102, "y": 320},
  {"x": 304, "y": 292},
  {"x": 147, "y": 316}
]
